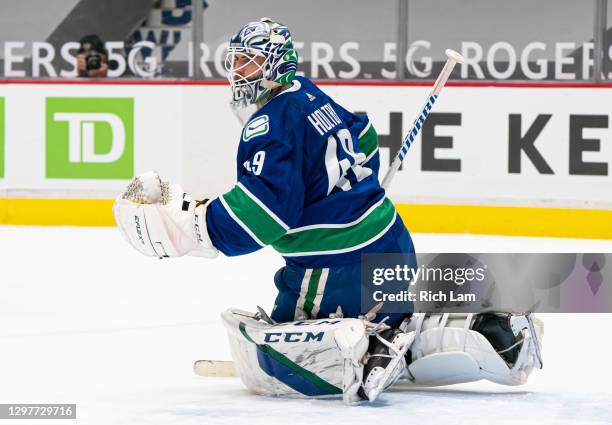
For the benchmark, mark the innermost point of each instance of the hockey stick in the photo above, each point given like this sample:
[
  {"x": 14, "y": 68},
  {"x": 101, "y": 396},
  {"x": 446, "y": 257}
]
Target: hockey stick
[
  {"x": 223, "y": 368},
  {"x": 453, "y": 58},
  {"x": 214, "y": 368}
]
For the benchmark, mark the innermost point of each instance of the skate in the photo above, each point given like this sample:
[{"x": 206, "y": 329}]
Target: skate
[{"x": 385, "y": 362}]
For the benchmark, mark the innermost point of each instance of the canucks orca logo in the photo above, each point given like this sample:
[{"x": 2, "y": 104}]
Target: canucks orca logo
[{"x": 256, "y": 127}]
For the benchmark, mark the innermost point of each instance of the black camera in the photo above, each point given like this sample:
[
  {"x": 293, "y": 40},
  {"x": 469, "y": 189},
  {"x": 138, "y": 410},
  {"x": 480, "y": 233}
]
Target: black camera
[
  {"x": 93, "y": 60},
  {"x": 95, "y": 52}
]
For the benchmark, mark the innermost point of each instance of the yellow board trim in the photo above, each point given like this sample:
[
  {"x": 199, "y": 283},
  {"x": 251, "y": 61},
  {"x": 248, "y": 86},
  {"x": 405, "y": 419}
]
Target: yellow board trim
[
  {"x": 512, "y": 221},
  {"x": 419, "y": 218},
  {"x": 56, "y": 212}
]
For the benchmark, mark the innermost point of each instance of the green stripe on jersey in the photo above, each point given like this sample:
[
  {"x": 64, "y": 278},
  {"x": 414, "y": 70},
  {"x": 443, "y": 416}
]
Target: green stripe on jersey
[
  {"x": 311, "y": 293},
  {"x": 253, "y": 216},
  {"x": 368, "y": 142},
  {"x": 322, "y": 239}
]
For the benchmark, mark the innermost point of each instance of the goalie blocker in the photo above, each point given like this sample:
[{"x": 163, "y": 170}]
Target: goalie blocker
[{"x": 327, "y": 357}]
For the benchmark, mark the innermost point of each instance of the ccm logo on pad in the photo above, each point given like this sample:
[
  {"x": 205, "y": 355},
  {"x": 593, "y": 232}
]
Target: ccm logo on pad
[{"x": 293, "y": 336}]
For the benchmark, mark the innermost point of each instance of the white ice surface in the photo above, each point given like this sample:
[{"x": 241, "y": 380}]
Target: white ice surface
[{"x": 86, "y": 319}]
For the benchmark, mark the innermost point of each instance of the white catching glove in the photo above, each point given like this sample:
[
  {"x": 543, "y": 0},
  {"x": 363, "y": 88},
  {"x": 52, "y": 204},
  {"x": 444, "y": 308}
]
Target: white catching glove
[{"x": 161, "y": 220}]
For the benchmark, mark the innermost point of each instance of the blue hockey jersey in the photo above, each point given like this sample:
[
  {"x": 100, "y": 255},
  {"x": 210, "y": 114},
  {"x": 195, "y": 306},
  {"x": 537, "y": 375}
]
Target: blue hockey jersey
[{"x": 307, "y": 184}]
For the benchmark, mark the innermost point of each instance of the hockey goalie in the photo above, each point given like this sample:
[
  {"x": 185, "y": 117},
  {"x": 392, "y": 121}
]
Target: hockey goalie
[{"x": 307, "y": 184}]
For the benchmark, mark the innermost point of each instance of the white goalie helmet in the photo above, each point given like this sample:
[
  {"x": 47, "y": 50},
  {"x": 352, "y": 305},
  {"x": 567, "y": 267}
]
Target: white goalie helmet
[{"x": 260, "y": 58}]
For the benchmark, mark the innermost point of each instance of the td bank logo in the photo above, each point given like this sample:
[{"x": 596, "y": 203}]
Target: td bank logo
[{"x": 89, "y": 138}]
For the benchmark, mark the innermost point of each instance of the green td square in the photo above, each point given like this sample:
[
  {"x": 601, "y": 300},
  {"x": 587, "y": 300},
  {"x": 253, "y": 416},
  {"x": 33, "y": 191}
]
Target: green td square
[{"x": 89, "y": 138}]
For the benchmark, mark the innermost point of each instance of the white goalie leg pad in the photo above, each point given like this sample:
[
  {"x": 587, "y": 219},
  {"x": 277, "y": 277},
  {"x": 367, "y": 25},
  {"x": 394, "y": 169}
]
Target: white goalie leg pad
[
  {"x": 447, "y": 351},
  {"x": 352, "y": 342},
  {"x": 309, "y": 358}
]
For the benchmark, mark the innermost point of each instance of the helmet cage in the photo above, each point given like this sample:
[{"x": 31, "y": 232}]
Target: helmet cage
[{"x": 247, "y": 88}]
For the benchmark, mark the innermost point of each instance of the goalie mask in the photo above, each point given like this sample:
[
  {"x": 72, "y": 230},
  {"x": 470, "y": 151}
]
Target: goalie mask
[{"x": 260, "y": 58}]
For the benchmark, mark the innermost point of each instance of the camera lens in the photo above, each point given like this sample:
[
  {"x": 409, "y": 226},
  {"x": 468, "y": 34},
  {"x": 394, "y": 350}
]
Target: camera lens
[{"x": 93, "y": 60}]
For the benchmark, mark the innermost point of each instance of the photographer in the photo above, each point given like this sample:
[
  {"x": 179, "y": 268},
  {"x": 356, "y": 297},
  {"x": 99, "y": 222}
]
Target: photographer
[{"x": 92, "y": 57}]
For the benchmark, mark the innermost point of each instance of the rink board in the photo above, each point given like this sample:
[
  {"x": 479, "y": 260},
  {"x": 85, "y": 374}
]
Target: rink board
[{"x": 498, "y": 159}]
